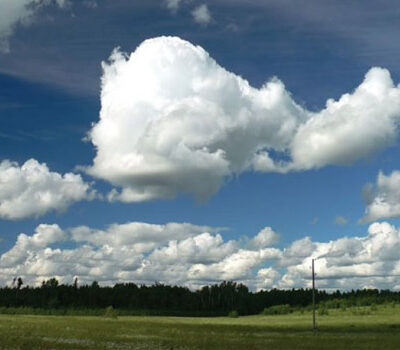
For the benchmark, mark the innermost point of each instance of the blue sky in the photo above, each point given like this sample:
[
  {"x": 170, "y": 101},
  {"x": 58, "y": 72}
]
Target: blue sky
[{"x": 141, "y": 152}]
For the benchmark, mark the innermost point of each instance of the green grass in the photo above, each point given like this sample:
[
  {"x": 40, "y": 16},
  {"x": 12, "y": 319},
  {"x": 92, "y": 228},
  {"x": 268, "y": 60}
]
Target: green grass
[{"x": 350, "y": 329}]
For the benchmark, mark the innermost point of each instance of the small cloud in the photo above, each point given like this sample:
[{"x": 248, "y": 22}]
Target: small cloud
[
  {"x": 265, "y": 238},
  {"x": 315, "y": 220},
  {"x": 32, "y": 190},
  {"x": 173, "y": 5},
  {"x": 202, "y": 15},
  {"x": 382, "y": 199},
  {"x": 341, "y": 220}
]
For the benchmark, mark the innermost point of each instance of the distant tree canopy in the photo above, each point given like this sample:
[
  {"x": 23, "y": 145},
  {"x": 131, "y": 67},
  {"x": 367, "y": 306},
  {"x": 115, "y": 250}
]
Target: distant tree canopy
[{"x": 217, "y": 299}]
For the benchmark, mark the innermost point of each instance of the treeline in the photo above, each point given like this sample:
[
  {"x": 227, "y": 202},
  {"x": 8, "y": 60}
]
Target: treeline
[{"x": 160, "y": 299}]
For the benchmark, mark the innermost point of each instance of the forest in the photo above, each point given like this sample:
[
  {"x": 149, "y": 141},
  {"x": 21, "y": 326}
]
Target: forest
[{"x": 160, "y": 299}]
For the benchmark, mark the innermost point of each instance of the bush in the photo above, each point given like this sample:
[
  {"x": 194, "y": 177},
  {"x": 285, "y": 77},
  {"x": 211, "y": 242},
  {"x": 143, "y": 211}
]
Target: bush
[
  {"x": 323, "y": 311},
  {"x": 233, "y": 314},
  {"x": 110, "y": 312},
  {"x": 277, "y": 310}
]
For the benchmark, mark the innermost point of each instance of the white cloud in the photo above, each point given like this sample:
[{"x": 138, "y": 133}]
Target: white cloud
[
  {"x": 26, "y": 245},
  {"x": 237, "y": 266},
  {"x": 298, "y": 251},
  {"x": 347, "y": 263},
  {"x": 32, "y": 189},
  {"x": 141, "y": 237},
  {"x": 266, "y": 278},
  {"x": 201, "y": 15},
  {"x": 11, "y": 12},
  {"x": 173, "y": 253},
  {"x": 355, "y": 126},
  {"x": 173, "y": 5},
  {"x": 15, "y": 12},
  {"x": 265, "y": 238},
  {"x": 193, "y": 255},
  {"x": 383, "y": 200},
  {"x": 173, "y": 121},
  {"x": 203, "y": 248}
]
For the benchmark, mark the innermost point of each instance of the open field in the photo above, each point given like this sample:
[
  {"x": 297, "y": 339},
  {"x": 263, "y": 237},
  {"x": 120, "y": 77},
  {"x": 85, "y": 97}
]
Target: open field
[{"x": 350, "y": 329}]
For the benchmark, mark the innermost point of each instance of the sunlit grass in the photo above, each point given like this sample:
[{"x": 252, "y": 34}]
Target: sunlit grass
[{"x": 353, "y": 328}]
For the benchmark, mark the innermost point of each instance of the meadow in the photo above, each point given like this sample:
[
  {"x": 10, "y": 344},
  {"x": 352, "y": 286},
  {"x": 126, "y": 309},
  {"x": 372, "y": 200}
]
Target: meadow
[{"x": 354, "y": 328}]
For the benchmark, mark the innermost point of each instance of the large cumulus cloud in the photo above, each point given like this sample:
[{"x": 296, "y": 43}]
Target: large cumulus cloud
[
  {"x": 31, "y": 190},
  {"x": 173, "y": 121}
]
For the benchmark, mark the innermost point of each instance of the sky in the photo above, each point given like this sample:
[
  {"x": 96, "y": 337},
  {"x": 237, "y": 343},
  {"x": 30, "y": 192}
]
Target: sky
[{"x": 191, "y": 142}]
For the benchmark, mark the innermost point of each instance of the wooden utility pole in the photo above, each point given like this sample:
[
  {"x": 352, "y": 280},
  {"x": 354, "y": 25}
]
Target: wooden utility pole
[{"x": 313, "y": 296}]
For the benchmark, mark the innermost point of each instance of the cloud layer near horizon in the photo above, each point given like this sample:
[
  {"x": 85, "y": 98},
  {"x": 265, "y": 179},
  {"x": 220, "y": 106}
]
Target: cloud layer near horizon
[
  {"x": 173, "y": 121},
  {"x": 191, "y": 255},
  {"x": 31, "y": 190}
]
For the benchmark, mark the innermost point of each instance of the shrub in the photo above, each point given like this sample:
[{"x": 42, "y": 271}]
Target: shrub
[
  {"x": 277, "y": 310},
  {"x": 110, "y": 312},
  {"x": 323, "y": 311},
  {"x": 233, "y": 314}
]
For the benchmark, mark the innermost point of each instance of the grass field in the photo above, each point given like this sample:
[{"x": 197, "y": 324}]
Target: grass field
[{"x": 350, "y": 329}]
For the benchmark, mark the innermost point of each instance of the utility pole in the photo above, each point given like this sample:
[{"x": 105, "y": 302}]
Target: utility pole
[{"x": 313, "y": 297}]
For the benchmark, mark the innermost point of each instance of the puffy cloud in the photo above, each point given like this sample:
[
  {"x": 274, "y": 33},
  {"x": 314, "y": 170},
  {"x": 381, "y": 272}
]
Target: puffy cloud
[
  {"x": 355, "y": 126},
  {"x": 171, "y": 253},
  {"x": 347, "y": 263},
  {"x": 201, "y": 15},
  {"x": 266, "y": 278},
  {"x": 237, "y": 266},
  {"x": 141, "y": 237},
  {"x": 383, "y": 200},
  {"x": 14, "y": 12},
  {"x": 198, "y": 255},
  {"x": 32, "y": 189},
  {"x": 298, "y": 251},
  {"x": 173, "y": 121},
  {"x": 203, "y": 248},
  {"x": 26, "y": 245},
  {"x": 265, "y": 238}
]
